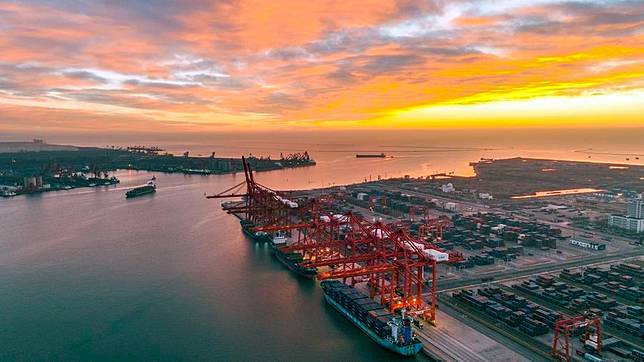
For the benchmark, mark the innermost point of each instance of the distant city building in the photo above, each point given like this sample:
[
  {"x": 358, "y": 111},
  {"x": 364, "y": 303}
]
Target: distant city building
[
  {"x": 32, "y": 182},
  {"x": 634, "y": 219},
  {"x": 451, "y": 206},
  {"x": 485, "y": 196},
  {"x": 448, "y": 188},
  {"x": 608, "y": 194},
  {"x": 625, "y": 222},
  {"x": 636, "y": 208}
]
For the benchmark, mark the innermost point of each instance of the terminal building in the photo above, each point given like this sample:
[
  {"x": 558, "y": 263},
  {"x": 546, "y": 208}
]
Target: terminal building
[{"x": 633, "y": 220}]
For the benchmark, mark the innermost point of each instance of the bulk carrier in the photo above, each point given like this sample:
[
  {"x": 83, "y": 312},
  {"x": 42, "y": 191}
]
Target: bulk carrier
[{"x": 393, "y": 333}]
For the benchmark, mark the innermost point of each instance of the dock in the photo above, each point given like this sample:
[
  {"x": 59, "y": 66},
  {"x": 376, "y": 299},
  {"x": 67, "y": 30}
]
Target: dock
[{"x": 455, "y": 341}]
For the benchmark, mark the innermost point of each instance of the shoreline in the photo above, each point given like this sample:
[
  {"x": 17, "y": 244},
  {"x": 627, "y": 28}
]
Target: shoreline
[{"x": 31, "y": 172}]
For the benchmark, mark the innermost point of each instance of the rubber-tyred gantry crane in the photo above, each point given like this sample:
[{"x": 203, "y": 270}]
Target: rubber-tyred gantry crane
[{"x": 565, "y": 327}]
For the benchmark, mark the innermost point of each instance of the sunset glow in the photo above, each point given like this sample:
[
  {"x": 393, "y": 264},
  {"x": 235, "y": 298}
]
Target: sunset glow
[{"x": 175, "y": 66}]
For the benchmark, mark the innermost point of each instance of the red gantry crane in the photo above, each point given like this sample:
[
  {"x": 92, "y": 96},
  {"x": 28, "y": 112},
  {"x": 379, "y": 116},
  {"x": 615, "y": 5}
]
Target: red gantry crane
[
  {"x": 346, "y": 245},
  {"x": 564, "y": 328}
]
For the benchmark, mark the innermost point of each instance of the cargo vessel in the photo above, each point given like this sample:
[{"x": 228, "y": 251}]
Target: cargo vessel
[
  {"x": 149, "y": 188},
  {"x": 247, "y": 228},
  {"x": 293, "y": 261},
  {"x": 377, "y": 155},
  {"x": 391, "y": 332}
]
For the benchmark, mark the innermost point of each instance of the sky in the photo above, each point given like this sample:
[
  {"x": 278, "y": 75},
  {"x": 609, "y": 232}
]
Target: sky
[{"x": 209, "y": 66}]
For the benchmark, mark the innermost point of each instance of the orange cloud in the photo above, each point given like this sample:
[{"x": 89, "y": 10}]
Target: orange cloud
[{"x": 321, "y": 63}]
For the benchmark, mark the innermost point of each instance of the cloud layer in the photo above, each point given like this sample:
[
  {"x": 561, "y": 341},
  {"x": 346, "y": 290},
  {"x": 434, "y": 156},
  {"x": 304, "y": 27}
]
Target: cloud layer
[{"x": 288, "y": 63}]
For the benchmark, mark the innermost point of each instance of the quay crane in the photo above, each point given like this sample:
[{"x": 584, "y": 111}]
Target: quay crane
[{"x": 351, "y": 247}]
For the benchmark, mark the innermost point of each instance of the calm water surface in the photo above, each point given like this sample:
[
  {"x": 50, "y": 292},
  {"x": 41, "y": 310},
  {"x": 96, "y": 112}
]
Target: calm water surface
[{"x": 87, "y": 274}]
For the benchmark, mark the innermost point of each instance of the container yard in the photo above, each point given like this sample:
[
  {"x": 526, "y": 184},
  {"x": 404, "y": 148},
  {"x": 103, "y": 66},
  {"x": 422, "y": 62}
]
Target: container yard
[
  {"x": 534, "y": 311},
  {"x": 395, "y": 258}
]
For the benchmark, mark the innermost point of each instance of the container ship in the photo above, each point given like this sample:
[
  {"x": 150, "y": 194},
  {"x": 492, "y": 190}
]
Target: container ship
[
  {"x": 247, "y": 228},
  {"x": 393, "y": 333},
  {"x": 149, "y": 188},
  {"x": 293, "y": 261},
  {"x": 378, "y": 155}
]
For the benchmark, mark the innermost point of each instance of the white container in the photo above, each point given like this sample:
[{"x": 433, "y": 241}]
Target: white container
[{"x": 438, "y": 256}]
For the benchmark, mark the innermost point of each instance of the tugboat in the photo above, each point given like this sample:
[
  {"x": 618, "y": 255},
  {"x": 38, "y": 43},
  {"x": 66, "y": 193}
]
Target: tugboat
[
  {"x": 391, "y": 332},
  {"x": 149, "y": 188}
]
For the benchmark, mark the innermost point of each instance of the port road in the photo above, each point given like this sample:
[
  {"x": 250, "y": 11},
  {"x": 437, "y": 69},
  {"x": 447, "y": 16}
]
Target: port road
[
  {"x": 506, "y": 276},
  {"x": 454, "y": 339},
  {"x": 438, "y": 344},
  {"x": 525, "y": 349}
]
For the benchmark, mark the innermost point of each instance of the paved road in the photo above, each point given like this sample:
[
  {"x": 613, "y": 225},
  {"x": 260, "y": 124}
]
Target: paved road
[
  {"x": 520, "y": 273},
  {"x": 531, "y": 351},
  {"x": 447, "y": 347}
]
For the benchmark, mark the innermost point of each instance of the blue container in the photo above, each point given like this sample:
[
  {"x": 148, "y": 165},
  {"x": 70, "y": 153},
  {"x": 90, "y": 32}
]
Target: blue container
[{"x": 407, "y": 333}]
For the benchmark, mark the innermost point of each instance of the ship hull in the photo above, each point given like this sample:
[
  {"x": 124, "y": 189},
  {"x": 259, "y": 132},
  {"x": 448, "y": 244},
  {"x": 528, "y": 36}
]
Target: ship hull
[
  {"x": 246, "y": 229},
  {"x": 132, "y": 194},
  {"x": 382, "y": 155},
  {"x": 293, "y": 266},
  {"x": 408, "y": 350}
]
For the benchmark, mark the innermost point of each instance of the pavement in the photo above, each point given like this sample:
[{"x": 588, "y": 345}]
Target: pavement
[{"x": 452, "y": 340}]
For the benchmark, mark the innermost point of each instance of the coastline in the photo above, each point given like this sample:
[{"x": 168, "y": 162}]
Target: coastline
[{"x": 34, "y": 171}]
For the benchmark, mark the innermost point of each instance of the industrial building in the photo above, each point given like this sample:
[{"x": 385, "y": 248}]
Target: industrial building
[
  {"x": 32, "y": 182},
  {"x": 635, "y": 208},
  {"x": 625, "y": 222},
  {"x": 634, "y": 219},
  {"x": 586, "y": 243},
  {"x": 448, "y": 188}
]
